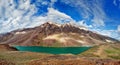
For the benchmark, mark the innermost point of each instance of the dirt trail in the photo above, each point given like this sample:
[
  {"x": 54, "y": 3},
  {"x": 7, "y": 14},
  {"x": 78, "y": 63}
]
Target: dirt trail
[{"x": 100, "y": 52}]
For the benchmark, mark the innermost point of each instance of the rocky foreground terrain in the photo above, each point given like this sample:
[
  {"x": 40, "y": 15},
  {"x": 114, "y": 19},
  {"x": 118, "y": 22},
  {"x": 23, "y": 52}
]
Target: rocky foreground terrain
[{"x": 73, "y": 60}]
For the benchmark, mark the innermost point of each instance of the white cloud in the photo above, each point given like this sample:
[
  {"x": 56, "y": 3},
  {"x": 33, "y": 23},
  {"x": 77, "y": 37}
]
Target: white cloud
[
  {"x": 111, "y": 33},
  {"x": 55, "y": 15},
  {"x": 45, "y": 3},
  {"x": 98, "y": 22},
  {"x": 88, "y": 8},
  {"x": 114, "y": 2},
  {"x": 53, "y": 12},
  {"x": 12, "y": 18},
  {"x": 119, "y": 28},
  {"x": 52, "y": 2},
  {"x": 83, "y": 23}
]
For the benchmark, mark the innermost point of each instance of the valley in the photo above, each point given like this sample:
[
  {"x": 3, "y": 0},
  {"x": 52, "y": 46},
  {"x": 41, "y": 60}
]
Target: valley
[{"x": 65, "y": 44}]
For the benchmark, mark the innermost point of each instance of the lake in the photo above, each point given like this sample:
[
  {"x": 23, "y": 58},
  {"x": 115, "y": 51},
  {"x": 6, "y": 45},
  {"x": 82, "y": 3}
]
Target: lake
[{"x": 53, "y": 50}]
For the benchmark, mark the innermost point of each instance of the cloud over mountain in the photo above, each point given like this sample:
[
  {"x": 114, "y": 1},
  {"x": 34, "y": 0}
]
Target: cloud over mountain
[
  {"x": 21, "y": 15},
  {"x": 89, "y": 9},
  {"x": 15, "y": 14}
]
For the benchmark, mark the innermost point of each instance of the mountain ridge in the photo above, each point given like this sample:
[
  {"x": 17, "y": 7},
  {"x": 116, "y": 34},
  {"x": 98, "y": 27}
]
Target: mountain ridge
[{"x": 44, "y": 35}]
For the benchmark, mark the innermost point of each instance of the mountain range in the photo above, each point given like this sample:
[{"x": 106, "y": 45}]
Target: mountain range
[{"x": 54, "y": 34}]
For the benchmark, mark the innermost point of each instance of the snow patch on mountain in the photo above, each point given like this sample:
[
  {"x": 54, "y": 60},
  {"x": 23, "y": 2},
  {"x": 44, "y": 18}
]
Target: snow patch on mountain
[{"x": 23, "y": 32}]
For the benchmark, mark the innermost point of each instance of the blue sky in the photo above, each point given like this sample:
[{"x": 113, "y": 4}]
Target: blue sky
[{"x": 101, "y": 16}]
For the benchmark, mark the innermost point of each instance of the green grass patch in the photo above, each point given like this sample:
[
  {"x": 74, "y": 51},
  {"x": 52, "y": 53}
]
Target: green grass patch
[{"x": 113, "y": 52}]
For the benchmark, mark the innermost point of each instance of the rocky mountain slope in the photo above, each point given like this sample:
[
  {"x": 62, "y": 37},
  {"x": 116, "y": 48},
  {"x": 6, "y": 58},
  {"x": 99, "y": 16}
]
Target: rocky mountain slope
[{"x": 52, "y": 34}]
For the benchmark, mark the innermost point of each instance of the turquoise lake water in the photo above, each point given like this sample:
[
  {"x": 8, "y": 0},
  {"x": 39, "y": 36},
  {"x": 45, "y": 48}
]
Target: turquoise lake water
[{"x": 53, "y": 50}]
